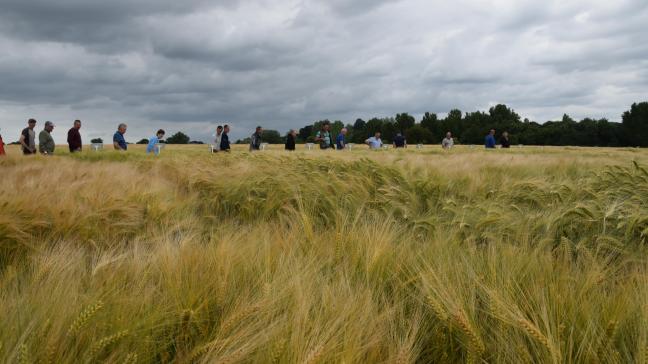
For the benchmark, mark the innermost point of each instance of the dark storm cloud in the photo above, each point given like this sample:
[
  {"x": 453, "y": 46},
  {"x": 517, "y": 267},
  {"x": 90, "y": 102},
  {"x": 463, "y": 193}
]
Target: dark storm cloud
[{"x": 193, "y": 64}]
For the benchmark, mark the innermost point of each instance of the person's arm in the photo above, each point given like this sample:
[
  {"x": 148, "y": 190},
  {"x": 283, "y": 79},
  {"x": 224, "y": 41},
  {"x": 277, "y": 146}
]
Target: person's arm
[
  {"x": 23, "y": 142},
  {"x": 42, "y": 141},
  {"x": 368, "y": 141}
]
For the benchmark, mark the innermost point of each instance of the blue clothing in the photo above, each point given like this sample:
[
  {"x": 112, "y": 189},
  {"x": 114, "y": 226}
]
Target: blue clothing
[
  {"x": 225, "y": 144},
  {"x": 119, "y": 138},
  {"x": 490, "y": 141},
  {"x": 340, "y": 142},
  {"x": 374, "y": 143},
  {"x": 151, "y": 146}
]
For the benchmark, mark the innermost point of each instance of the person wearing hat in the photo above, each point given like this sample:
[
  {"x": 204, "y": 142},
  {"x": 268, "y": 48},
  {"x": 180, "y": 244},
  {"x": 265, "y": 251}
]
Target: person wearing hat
[
  {"x": 45, "y": 141},
  {"x": 28, "y": 138}
]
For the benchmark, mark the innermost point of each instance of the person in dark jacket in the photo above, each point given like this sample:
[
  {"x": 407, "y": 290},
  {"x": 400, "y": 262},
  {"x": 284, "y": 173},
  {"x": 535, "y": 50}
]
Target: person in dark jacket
[
  {"x": 225, "y": 144},
  {"x": 504, "y": 140},
  {"x": 399, "y": 141},
  {"x": 74, "y": 137},
  {"x": 290, "y": 140},
  {"x": 28, "y": 138},
  {"x": 255, "y": 139},
  {"x": 490, "y": 140}
]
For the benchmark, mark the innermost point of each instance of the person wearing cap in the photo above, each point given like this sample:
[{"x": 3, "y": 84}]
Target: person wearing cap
[
  {"x": 255, "y": 139},
  {"x": 74, "y": 137},
  {"x": 118, "y": 139},
  {"x": 45, "y": 141},
  {"x": 154, "y": 141},
  {"x": 28, "y": 138},
  {"x": 2, "y": 151}
]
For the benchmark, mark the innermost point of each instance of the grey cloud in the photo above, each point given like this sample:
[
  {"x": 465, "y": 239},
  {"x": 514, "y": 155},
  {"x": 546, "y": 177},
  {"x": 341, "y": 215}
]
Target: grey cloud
[{"x": 189, "y": 65}]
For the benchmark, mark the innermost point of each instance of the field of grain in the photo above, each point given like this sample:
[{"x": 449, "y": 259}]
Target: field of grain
[{"x": 415, "y": 256}]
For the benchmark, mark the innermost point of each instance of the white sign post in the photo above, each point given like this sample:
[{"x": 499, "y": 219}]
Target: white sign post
[
  {"x": 263, "y": 146},
  {"x": 97, "y": 146},
  {"x": 309, "y": 146}
]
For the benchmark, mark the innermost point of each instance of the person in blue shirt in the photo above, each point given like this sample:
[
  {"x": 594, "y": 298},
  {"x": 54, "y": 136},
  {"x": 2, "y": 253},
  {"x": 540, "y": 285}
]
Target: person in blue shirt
[
  {"x": 374, "y": 142},
  {"x": 340, "y": 142},
  {"x": 153, "y": 142},
  {"x": 118, "y": 139},
  {"x": 225, "y": 144},
  {"x": 490, "y": 140}
]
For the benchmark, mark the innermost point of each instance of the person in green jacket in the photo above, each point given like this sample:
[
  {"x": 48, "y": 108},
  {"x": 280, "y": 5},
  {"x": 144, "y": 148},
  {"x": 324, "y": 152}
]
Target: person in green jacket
[{"x": 45, "y": 141}]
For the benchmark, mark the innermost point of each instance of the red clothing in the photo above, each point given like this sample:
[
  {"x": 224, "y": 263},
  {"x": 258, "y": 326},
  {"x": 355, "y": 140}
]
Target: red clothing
[{"x": 2, "y": 151}]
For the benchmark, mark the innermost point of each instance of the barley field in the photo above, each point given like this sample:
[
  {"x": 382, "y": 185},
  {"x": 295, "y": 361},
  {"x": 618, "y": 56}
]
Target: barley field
[{"x": 528, "y": 255}]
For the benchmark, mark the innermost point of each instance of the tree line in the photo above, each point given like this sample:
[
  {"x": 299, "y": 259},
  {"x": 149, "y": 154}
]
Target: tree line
[{"x": 471, "y": 128}]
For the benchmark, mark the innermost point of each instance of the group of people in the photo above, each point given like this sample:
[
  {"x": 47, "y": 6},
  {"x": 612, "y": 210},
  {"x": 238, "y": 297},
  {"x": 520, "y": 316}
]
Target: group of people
[
  {"x": 323, "y": 137},
  {"x": 46, "y": 143}
]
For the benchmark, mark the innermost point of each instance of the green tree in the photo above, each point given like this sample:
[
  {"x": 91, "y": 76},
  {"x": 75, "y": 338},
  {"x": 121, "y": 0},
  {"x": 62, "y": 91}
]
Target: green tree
[
  {"x": 178, "y": 138},
  {"x": 404, "y": 121},
  {"x": 271, "y": 137},
  {"x": 431, "y": 122},
  {"x": 418, "y": 135},
  {"x": 635, "y": 125},
  {"x": 143, "y": 141},
  {"x": 94, "y": 141}
]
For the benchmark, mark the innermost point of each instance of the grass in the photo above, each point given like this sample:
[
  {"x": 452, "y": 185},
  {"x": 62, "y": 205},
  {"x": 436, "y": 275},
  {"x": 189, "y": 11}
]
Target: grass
[{"x": 526, "y": 255}]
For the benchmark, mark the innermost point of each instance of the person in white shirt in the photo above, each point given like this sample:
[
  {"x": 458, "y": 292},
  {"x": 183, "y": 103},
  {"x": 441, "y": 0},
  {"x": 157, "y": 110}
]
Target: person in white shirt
[
  {"x": 374, "y": 142},
  {"x": 447, "y": 142},
  {"x": 217, "y": 141}
]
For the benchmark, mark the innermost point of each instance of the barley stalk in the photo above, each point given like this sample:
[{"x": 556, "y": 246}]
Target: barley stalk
[{"x": 83, "y": 318}]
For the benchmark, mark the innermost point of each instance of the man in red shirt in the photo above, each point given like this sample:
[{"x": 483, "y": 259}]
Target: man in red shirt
[{"x": 74, "y": 137}]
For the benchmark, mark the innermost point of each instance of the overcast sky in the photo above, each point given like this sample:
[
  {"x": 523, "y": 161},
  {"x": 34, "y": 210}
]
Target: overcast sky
[{"x": 190, "y": 65}]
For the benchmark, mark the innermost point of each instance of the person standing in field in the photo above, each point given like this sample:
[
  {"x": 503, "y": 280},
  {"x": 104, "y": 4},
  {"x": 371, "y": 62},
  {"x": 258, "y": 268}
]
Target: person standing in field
[
  {"x": 340, "y": 141},
  {"x": 119, "y": 143},
  {"x": 490, "y": 140},
  {"x": 504, "y": 140},
  {"x": 45, "y": 141},
  {"x": 374, "y": 142},
  {"x": 323, "y": 137},
  {"x": 28, "y": 138},
  {"x": 255, "y": 139},
  {"x": 2, "y": 150},
  {"x": 225, "y": 144},
  {"x": 154, "y": 141},
  {"x": 399, "y": 141},
  {"x": 74, "y": 137},
  {"x": 447, "y": 142},
  {"x": 217, "y": 141},
  {"x": 290, "y": 140}
]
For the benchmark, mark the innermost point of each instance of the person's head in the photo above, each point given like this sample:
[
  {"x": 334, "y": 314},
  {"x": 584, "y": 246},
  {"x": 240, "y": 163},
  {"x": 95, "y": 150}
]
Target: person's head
[
  {"x": 49, "y": 126},
  {"x": 259, "y": 130},
  {"x": 399, "y": 134},
  {"x": 377, "y": 135},
  {"x": 77, "y": 124},
  {"x": 121, "y": 128},
  {"x": 492, "y": 132},
  {"x": 326, "y": 126},
  {"x": 344, "y": 131},
  {"x": 292, "y": 132},
  {"x": 160, "y": 134},
  {"x": 226, "y": 129},
  {"x": 219, "y": 130},
  {"x": 505, "y": 134},
  {"x": 31, "y": 123},
  {"x": 448, "y": 135}
]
